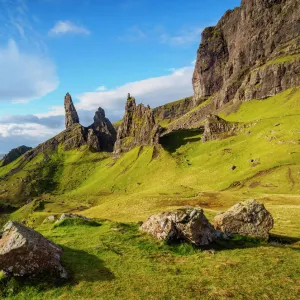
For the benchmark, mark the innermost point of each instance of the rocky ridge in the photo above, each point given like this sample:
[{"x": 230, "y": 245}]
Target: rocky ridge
[
  {"x": 252, "y": 53},
  {"x": 14, "y": 154}
]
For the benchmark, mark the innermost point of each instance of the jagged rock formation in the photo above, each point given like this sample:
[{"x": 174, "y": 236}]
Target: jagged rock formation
[
  {"x": 71, "y": 113},
  {"x": 103, "y": 130},
  {"x": 216, "y": 127},
  {"x": 14, "y": 154},
  {"x": 25, "y": 252},
  {"x": 138, "y": 127},
  {"x": 248, "y": 218},
  {"x": 252, "y": 53},
  {"x": 189, "y": 224}
]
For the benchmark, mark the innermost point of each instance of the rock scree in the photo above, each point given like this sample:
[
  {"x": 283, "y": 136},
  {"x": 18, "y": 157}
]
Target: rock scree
[
  {"x": 248, "y": 218},
  {"x": 25, "y": 252},
  {"x": 189, "y": 224}
]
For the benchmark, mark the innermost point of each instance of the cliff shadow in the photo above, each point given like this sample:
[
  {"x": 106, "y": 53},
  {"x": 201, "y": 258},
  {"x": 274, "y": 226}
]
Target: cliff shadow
[{"x": 174, "y": 140}]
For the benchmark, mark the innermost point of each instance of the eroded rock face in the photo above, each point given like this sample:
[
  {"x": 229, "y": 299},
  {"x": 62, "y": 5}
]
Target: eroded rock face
[
  {"x": 252, "y": 53},
  {"x": 25, "y": 252},
  {"x": 104, "y": 131},
  {"x": 71, "y": 113},
  {"x": 14, "y": 154},
  {"x": 138, "y": 127},
  {"x": 248, "y": 218},
  {"x": 216, "y": 127},
  {"x": 189, "y": 224}
]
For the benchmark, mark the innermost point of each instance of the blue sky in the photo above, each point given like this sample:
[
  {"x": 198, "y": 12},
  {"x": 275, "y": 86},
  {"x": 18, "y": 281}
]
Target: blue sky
[{"x": 98, "y": 50}]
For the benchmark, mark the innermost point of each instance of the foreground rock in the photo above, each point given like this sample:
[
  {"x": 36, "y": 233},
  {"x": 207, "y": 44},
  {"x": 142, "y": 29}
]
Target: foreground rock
[
  {"x": 189, "y": 224},
  {"x": 24, "y": 252},
  {"x": 248, "y": 218}
]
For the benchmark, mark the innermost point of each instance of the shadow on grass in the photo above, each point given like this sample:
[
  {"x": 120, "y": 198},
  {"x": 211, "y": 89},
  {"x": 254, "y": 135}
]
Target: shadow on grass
[
  {"x": 83, "y": 266},
  {"x": 172, "y": 141},
  {"x": 80, "y": 265}
]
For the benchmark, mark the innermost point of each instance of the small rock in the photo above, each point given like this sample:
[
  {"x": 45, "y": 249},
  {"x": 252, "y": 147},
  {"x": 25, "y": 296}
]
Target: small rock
[{"x": 233, "y": 168}]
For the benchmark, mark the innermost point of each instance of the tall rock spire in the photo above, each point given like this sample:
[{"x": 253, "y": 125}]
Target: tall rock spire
[{"x": 71, "y": 113}]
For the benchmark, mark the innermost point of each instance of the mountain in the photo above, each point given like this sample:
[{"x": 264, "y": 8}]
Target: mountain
[{"x": 236, "y": 138}]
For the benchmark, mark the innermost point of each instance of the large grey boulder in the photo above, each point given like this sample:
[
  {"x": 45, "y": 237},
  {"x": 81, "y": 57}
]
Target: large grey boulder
[
  {"x": 71, "y": 113},
  {"x": 189, "y": 224},
  {"x": 25, "y": 252},
  {"x": 248, "y": 218}
]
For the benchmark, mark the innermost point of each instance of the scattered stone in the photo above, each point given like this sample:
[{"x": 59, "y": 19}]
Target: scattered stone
[
  {"x": 50, "y": 219},
  {"x": 189, "y": 224},
  {"x": 233, "y": 168},
  {"x": 72, "y": 216},
  {"x": 278, "y": 124},
  {"x": 25, "y": 252},
  {"x": 248, "y": 218}
]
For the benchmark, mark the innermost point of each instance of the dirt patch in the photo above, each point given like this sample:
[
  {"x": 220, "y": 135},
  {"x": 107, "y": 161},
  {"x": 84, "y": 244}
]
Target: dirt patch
[{"x": 254, "y": 184}]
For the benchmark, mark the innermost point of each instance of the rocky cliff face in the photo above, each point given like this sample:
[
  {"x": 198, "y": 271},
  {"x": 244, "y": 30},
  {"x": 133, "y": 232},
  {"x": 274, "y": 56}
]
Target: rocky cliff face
[
  {"x": 14, "y": 154},
  {"x": 71, "y": 113},
  {"x": 138, "y": 127},
  {"x": 252, "y": 53}
]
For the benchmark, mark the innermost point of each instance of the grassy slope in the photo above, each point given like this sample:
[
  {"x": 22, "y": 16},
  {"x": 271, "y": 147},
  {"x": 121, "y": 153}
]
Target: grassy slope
[{"x": 108, "y": 264}]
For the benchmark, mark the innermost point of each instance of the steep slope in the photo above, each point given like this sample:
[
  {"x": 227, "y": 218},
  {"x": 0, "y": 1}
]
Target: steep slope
[
  {"x": 14, "y": 154},
  {"x": 252, "y": 53}
]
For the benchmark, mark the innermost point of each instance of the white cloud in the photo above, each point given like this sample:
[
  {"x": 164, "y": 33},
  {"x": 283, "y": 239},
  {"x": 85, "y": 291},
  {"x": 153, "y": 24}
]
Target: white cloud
[
  {"x": 67, "y": 27},
  {"x": 133, "y": 34},
  {"x": 34, "y": 129},
  {"x": 153, "y": 91},
  {"x": 182, "y": 38},
  {"x": 24, "y": 77},
  {"x": 101, "y": 88}
]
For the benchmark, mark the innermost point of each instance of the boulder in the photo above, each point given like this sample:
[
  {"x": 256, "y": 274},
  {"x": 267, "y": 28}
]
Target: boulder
[
  {"x": 189, "y": 224},
  {"x": 25, "y": 252},
  {"x": 248, "y": 218}
]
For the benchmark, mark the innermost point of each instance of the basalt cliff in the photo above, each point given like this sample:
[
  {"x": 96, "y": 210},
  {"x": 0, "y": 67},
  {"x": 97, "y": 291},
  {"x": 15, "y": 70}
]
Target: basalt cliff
[{"x": 252, "y": 53}]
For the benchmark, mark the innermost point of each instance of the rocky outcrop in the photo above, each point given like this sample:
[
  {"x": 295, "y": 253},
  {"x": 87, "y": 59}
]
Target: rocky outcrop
[
  {"x": 103, "y": 131},
  {"x": 189, "y": 224},
  {"x": 14, "y": 154},
  {"x": 71, "y": 113},
  {"x": 24, "y": 252},
  {"x": 138, "y": 127},
  {"x": 248, "y": 218},
  {"x": 252, "y": 53},
  {"x": 216, "y": 127}
]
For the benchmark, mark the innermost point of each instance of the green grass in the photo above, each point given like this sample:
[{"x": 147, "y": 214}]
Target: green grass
[
  {"x": 115, "y": 260},
  {"x": 283, "y": 59}
]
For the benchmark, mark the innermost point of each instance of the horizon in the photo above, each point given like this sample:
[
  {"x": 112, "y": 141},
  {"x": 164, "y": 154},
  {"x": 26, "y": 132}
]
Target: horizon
[{"x": 50, "y": 48}]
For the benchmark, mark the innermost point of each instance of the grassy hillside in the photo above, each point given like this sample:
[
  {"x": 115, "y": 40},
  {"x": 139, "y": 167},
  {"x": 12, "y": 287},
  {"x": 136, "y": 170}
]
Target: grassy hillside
[{"x": 116, "y": 261}]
